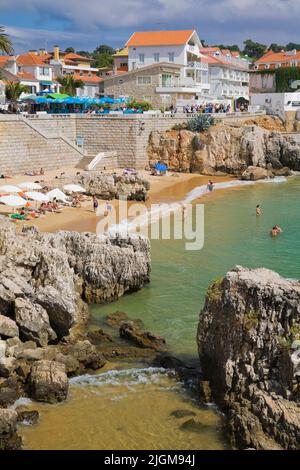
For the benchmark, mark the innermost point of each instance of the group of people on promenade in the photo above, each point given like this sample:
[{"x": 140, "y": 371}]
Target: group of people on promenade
[{"x": 208, "y": 108}]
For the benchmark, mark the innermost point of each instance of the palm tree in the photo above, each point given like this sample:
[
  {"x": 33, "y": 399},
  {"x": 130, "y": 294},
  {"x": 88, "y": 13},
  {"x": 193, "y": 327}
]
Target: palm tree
[
  {"x": 13, "y": 91},
  {"x": 70, "y": 84},
  {"x": 5, "y": 43}
]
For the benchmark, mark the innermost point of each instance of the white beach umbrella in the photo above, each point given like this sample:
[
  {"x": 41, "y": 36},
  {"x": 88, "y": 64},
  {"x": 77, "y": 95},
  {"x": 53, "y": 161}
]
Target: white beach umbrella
[
  {"x": 36, "y": 196},
  {"x": 57, "y": 194},
  {"x": 30, "y": 185},
  {"x": 7, "y": 188},
  {"x": 74, "y": 188},
  {"x": 13, "y": 201}
]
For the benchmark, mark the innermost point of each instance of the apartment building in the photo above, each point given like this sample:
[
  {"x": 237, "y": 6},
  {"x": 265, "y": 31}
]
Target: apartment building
[
  {"x": 79, "y": 66},
  {"x": 275, "y": 60},
  {"x": 174, "y": 47},
  {"x": 228, "y": 73}
]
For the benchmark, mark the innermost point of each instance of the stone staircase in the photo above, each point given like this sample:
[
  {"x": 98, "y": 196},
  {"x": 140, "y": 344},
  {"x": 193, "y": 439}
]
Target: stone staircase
[{"x": 102, "y": 161}]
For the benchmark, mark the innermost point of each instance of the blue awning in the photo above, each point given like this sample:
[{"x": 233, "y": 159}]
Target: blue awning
[{"x": 46, "y": 83}]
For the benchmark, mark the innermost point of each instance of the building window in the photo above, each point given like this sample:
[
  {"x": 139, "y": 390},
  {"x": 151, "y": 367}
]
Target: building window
[
  {"x": 171, "y": 56},
  {"x": 156, "y": 57},
  {"x": 44, "y": 71},
  {"x": 166, "y": 79},
  {"x": 142, "y": 58},
  {"x": 143, "y": 80}
]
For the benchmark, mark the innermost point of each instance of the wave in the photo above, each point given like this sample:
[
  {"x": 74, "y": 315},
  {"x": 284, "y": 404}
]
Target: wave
[
  {"x": 160, "y": 211},
  {"x": 127, "y": 377}
]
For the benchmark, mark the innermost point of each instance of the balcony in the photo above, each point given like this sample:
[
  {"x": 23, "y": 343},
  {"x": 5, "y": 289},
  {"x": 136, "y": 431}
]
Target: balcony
[
  {"x": 197, "y": 65},
  {"x": 193, "y": 50},
  {"x": 185, "y": 85}
]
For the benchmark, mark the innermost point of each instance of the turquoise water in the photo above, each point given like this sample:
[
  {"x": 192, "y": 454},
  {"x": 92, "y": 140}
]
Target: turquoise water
[{"x": 170, "y": 304}]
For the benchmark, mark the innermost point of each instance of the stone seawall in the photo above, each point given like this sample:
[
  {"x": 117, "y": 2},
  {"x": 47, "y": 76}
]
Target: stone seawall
[{"x": 49, "y": 141}]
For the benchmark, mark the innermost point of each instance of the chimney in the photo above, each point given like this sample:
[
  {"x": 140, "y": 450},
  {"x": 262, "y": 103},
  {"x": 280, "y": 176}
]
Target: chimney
[
  {"x": 56, "y": 53},
  {"x": 42, "y": 52}
]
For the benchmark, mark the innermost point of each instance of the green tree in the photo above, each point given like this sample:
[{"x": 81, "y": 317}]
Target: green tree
[
  {"x": 13, "y": 91},
  {"x": 292, "y": 45},
  {"x": 5, "y": 42},
  {"x": 276, "y": 47},
  {"x": 104, "y": 49},
  {"x": 103, "y": 60},
  {"x": 70, "y": 84},
  {"x": 84, "y": 53},
  {"x": 254, "y": 49},
  {"x": 70, "y": 50}
]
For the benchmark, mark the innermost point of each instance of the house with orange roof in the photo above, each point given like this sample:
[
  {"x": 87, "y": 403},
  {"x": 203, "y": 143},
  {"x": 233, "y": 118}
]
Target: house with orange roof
[
  {"x": 34, "y": 71},
  {"x": 80, "y": 67},
  {"x": 181, "y": 48},
  {"x": 275, "y": 60}
]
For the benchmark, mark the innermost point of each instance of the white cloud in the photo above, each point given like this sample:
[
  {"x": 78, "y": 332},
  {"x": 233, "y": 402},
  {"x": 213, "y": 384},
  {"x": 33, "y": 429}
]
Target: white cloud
[{"x": 95, "y": 21}]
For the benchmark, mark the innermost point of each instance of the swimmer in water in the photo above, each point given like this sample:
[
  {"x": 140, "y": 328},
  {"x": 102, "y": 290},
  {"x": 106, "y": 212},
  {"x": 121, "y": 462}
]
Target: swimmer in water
[
  {"x": 258, "y": 210},
  {"x": 276, "y": 230}
]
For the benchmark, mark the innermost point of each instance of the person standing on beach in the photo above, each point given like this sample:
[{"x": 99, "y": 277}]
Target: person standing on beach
[
  {"x": 258, "y": 210},
  {"x": 95, "y": 204},
  {"x": 210, "y": 186}
]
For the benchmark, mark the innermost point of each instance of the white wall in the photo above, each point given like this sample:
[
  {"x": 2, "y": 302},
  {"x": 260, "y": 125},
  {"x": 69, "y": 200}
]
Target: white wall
[
  {"x": 149, "y": 51},
  {"x": 277, "y": 103}
]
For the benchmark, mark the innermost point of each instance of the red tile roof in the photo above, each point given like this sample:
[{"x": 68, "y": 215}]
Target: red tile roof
[
  {"x": 160, "y": 38},
  {"x": 271, "y": 56},
  {"x": 85, "y": 78},
  {"x": 3, "y": 60},
  {"x": 72, "y": 56},
  {"x": 209, "y": 50},
  {"x": 31, "y": 59},
  {"x": 26, "y": 76}
]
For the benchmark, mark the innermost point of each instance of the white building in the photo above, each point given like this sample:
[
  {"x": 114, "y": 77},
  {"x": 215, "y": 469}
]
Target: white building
[
  {"x": 228, "y": 74},
  {"x": 175, "y": 47},
  {"x": 79, "y": 67},
  {"x": 277, "y": 103}
]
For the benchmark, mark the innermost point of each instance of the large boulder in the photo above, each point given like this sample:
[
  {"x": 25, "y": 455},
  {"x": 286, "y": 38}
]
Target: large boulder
[
  {"x": 144, "y": 339},
  {"x": 9, "y": 439},
  {"x": 33, "y": 322},
  {"x": 48, "y": 382},
  {"x": 248, "y": 340},
  {"x": 255, "y": 173},
  {"x": 8, "y": 327}
]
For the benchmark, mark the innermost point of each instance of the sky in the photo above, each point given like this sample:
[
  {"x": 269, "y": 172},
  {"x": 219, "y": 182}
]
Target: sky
[{"x": 84, "y": 24}]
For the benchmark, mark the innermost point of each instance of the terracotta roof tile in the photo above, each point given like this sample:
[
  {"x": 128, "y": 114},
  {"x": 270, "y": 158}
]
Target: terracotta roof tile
[
  {"x": 73, "y": 56},
  {"x": 31, "y": 59},
  {"x": 26, "y": 76},
  {"x": 85, "y": 78},
  {"x": 282, "y": 57},
  {"x": 160, "y": 38}
]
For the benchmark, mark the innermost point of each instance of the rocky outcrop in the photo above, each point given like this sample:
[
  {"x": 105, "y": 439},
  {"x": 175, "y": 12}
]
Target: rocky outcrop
[
  {"x": 249, "y": 346},
  {"x": 224, "y": 148},
  {"x": 48, "y": 381},
  {"x": 9, "y": 440},
  {"x": 132, "y": 187},
  {"x": 46, "y": 283}
]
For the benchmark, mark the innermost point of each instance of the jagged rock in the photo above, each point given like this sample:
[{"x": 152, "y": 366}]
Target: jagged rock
[
  {"x": 71, "y": 364},
  {"x": 9, "y": 439},
  {"x": 224, "y": 148},
  {"x": 8, "y": 327},
  {"x": 33, "y": 322},
  {"x": 87, "y": 354},
  {"x": 9, "y": 391},
  {"x": 6, "y": 301},
  {"x": 143, "y": 339},
  {"x": 48, "y": 382},
  {"x": 255, "y": 173},
  {"x": 26, "y": 416},
  {"x": 205, "y": 394},
  {"x": 7, "y": 366},
  {"x": 3, "y": 347},
  {"x": 99, "y": 336},
  {"x": 115, "y": 320},
  {"x": 247, "y": 327},
  {"x": 132, "y": 187}
]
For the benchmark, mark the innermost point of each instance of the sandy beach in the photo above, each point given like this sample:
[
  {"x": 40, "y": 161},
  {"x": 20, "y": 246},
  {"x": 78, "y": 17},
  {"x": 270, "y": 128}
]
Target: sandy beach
[{"x": 169, "y": 188}]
